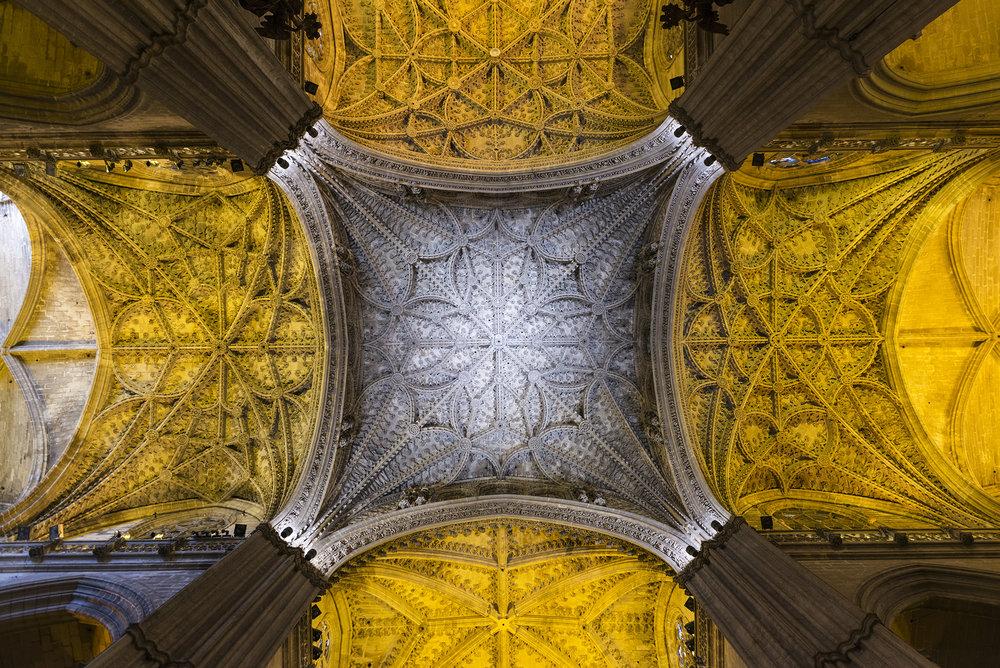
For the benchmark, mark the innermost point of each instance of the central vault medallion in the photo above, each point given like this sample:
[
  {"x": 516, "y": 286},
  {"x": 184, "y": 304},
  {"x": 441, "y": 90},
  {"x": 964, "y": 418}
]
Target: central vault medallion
[{"x": 498, "y": 348}]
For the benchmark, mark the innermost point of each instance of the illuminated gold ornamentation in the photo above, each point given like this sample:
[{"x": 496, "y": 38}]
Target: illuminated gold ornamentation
[
  {"x": 504, "y": 594},
  {"x": 494, "y": 80},
  {"x": 786, "y": 394},
  {"x": 209, "y": 339}
]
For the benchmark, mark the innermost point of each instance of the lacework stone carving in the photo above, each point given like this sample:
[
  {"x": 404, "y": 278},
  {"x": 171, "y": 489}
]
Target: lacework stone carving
[
  {"x": 490, "y": 82},
  {"x": 207, "y": 319},
  {"x": 311, "y": 573},
  {"x": 498, "y": 347},
  {"x": 779, "y": 347}
]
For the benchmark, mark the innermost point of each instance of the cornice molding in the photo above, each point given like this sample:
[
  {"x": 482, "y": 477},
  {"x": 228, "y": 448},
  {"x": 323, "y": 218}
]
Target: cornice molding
[
  {"x": 694, "y": 129},
  {"x": 290, "y": 141}
]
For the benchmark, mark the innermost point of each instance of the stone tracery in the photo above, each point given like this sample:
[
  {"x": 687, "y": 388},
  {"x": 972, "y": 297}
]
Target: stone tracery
[
  {"x": 495, "y": 81},
  {"x": 498, "y": 349}
]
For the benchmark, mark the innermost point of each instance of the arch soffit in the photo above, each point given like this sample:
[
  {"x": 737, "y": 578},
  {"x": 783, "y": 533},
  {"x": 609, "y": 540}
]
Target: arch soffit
[
  {"x": 338, "y": 547},
  {"x": 660, "y": 147},
  {"x": 113, "y": 604},
  {"x": 889, "y": 593}
]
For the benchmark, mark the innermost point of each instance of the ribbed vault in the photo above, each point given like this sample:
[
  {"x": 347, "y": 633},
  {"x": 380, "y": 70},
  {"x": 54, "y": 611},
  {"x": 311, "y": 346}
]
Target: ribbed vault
[{"x": 504, "y": 594}]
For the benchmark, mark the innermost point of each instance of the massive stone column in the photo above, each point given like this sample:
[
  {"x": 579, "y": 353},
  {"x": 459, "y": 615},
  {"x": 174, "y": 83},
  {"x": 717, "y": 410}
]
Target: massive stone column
[
  {"x": 775, "y": 612},
  {"x": 781, "y": 58},
  {"x": 235, "y": 615},
  {"x": 201, "y": 59}
]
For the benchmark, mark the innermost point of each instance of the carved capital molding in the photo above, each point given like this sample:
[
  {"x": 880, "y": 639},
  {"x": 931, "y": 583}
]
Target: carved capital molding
[
  {"x": 698, "y": 137},
  {"x": 715, "y": 543},
  {"x": 840, "y": 656},
  {"x": 313, "y": 574},
  {"x": 290, "y": 141}
]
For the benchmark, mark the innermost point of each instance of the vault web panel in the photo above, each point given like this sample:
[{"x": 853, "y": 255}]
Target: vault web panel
[{"x": 498, "y": 346}]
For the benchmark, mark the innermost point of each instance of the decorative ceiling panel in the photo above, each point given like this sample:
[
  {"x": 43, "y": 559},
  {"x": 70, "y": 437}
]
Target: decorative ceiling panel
[
  {"x": 210, "y": 344},
  {"x": 780, "y": 347},
  {"x": 482, "y": 83},
  {"x": 499, "y": 350},
  {"x": 504, "y": 594}
]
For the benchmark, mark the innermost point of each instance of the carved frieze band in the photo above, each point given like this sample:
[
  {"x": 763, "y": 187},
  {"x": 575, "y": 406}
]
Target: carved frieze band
[
  {"x": 839, "y": 656},
  {"x": 716, "y": 543},
  {"x": 311, "y": 573}
]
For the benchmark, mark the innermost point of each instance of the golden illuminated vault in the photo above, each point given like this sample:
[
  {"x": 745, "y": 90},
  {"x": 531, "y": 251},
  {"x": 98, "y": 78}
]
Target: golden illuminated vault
[
  {"x": 504, "y": 594},
  {"x": 209, "y": 344},
  {"x": 497, "y": 80}
]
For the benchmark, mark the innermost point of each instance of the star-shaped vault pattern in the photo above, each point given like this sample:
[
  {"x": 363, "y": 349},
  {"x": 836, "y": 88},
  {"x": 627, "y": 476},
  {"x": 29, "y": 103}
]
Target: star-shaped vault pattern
[{"x": 499, "y": 348}]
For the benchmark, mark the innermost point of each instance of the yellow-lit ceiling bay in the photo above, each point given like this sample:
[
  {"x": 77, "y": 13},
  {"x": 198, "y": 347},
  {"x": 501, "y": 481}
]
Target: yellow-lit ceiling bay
[
  {"x": 211, "y": 342},
  {"x": 450, "y": 82},
  {"x": 782, "y": 310},
  {"x": 504, "y": 594}
]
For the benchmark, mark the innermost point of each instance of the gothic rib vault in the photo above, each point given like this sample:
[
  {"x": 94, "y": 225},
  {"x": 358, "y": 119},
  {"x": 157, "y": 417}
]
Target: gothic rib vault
[{"x": 448, "y": 393}]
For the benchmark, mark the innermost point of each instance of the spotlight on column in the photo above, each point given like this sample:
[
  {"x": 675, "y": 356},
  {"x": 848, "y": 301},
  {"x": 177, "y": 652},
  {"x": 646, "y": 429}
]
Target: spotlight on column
[
  {"x": 310, "y": 554},
  {"x": 282, "y": 163},
  {"x": 676, "y": 82},
  {"x": 709, "y": 161},
  {"x": 317, "y": 635},
  {"x": 717, "y": 525},
  {"x": 691, "y": 550},
  {"x": 310, "y": 87},
  {"x": 50, "y": 167},
  {"x": 240, "y": 531},
  {"x": 20, "y": 169},
  {"x": 313, "y": 132},
  {"x": 766, "y": 522},
  {"x": 109, "y": 166},
  {"x": 689, "y": 643},
  {"x": 127, "y": 165},
  {"x": 757, "y": 160},
  {"x": 152, "y": 163},
  {"x": 680, "y": 130},
  {"x": 82, "y": 163},
  {"x": 317, "y": 653},
  {"x": 24, "y": 533},
  {"x": 314, "y": 611},
  {"x": 689, "y": 627},
  {"x": 179, "y": 164},
  {"x": 689, "y": 604},
  {"x": 901, "y": 538},
  {"x": 286, "y": 532},
  {"x": 56, "y": 532},
  {"x": 236, "y": 165}
]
